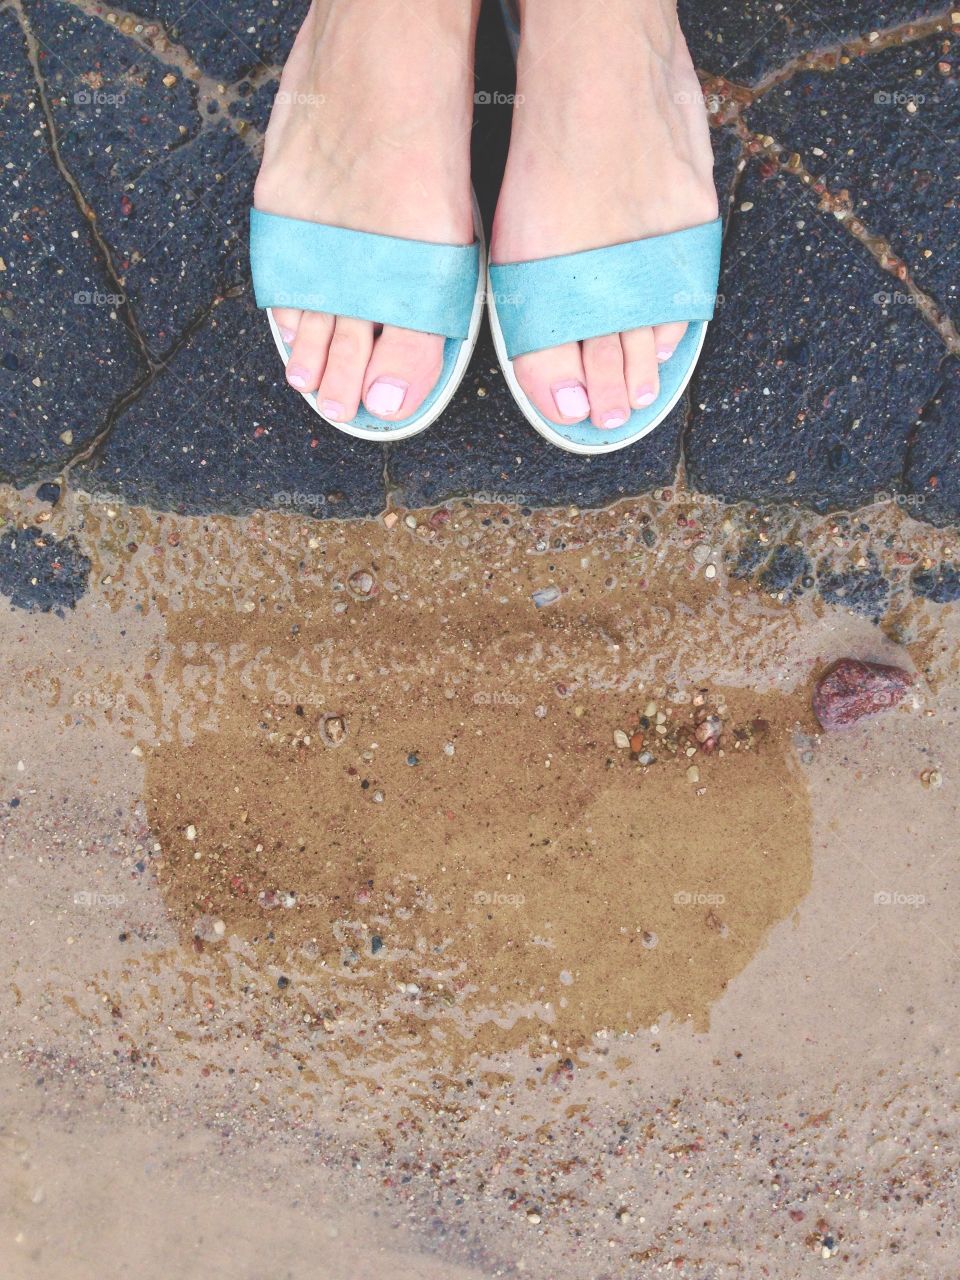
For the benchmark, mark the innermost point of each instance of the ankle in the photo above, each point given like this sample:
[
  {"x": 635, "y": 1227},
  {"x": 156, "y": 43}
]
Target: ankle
[{"x": 636, "y": 25}]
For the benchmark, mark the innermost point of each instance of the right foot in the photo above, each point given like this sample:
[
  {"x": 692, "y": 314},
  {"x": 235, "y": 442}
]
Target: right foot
[
  {"x": 610, "y": 144},
  {"x": 371, "y": 131}
]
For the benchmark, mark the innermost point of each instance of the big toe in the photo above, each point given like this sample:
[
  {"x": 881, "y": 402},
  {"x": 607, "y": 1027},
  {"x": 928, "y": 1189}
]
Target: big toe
[
  {"x": 403, "y": 370},
  {"x": 556, "y": 383}
]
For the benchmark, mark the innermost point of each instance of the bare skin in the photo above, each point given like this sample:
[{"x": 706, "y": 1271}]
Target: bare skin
[
  {"x": 610, "y": 143},
  {"x": 371, "y": 131}
]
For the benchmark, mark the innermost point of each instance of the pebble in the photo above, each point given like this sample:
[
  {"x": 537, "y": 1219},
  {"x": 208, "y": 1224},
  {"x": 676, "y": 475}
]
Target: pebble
[
  {"x": 413, "y": 759},
  {"x": 649, "y": 940},
  {"x": 219, "y": 928},
  {"x": 647, "y": 757},
  {"x": 410, "y": 521},
  {"x": 620, "y": 740},
  {"x": 850, "y": 690},
  {"x": 693, "y": 774},
  {"x": 333, "y": 730},
  {"x": 710, "y": 571},
  {"x": 544, "y": 596},
  {"x": 390, "y": 519},
  {"x": 448, "y": 749},
  {"x": 363, "y": 585},
  {"x": 191, "y": 832}
]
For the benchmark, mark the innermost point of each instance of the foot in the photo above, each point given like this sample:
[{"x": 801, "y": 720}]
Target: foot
[
  {"x": 371, "y": 131},
  {"x": 610, "y": 144}
]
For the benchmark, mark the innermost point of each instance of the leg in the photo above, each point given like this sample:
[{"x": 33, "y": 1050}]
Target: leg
[
  {"x": 610, "y": 143},
  {"x": 371, "y": 130}
]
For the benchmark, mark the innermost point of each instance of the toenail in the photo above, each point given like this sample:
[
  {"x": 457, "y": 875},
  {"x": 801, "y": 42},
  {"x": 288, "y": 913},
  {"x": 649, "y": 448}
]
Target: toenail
[
  {"x": 613, "y": 420},
  {"x": 664, "y": 353},
  {"x": 287, "y": 335},
  {"x": 386, "y": 396},
  {"x": 297, "y": 376},
  {"x": 645, "y": 396},
  {"x": 333, "y": 409},
  {"x": 571, "y": 400}
]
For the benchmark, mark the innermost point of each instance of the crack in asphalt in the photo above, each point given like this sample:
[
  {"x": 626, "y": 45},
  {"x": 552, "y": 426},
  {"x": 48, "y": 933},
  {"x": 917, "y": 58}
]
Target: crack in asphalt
[
  {"x": 734, "y": 98},
  {"x": 125, "y": 309}
]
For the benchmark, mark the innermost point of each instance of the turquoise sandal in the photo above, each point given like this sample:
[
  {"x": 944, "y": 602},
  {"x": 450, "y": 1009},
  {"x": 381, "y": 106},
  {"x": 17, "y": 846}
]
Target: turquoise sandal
[
  {"x": 434, "y": 288},
  {"x": 551, "y": 301}
]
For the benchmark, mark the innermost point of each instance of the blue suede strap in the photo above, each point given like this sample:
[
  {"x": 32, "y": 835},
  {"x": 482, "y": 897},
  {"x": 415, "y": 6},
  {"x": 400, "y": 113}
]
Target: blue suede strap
[
  {"x": 552, "y": 301},
  {"x": 410, "y": 283}
]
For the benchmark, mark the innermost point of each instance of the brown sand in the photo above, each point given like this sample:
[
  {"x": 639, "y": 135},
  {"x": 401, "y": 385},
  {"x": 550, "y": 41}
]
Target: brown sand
[{"x": 526, "y": 881}]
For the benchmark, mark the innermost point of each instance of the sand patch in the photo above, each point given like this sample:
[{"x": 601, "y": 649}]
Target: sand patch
[{"x": 401, "y": 786}]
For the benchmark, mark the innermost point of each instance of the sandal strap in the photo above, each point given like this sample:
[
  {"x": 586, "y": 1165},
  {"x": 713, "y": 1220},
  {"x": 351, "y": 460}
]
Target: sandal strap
[
  {"x": 553, "y": 301},
  {"x": 409, "y": 283}
]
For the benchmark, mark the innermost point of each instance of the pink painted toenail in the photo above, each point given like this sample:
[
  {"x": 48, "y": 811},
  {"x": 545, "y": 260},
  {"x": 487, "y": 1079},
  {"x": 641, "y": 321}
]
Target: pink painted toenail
[
  {"x": 386, "y": 396},
  {"x": 297, "y": 376},
  {"x": 571, "y": 400},
  {"x": 613, "y": 420},
  {"x": 287, "y": 335},
  {"x": 645, "y": 396},
  {"x": 664, "y": 353},
  {"x": 332, "y": 409}
]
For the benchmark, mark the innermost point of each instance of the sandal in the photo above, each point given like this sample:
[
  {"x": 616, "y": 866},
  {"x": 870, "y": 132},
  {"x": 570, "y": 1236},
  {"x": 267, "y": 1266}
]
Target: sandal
[
  {"x": 551, "y": 301},
  {"x": 414, "y": 284}
]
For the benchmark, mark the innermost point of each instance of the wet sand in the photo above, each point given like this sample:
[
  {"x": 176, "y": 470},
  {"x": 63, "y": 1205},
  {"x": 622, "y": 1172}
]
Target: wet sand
[{"x": 329, "y": 873}]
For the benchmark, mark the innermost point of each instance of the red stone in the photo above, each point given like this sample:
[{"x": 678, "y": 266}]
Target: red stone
[{"x": 851, "y": 689}]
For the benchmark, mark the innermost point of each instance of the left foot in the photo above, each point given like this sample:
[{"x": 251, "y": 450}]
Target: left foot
[
  {"x": 610, "y": 144},
  {"x": 371, "y": 131}
]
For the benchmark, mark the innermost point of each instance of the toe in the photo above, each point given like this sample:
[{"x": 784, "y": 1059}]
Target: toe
[
  {"x": 556, "y": 382},
  {"x": 338, "y": 395},
  {"x": 606, "y": 383},
  {"x": 642, "y": 369},
  {"x": 288, "y": 322},
  {"x": 309, "y": 352},
  {"x": 666, "y": 338},
  {"x": 403, "y": 370}
]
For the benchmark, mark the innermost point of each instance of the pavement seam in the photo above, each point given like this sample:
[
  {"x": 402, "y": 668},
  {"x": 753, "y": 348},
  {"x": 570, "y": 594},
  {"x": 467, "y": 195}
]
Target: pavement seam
[
  {"x": 125, "y": 308},
  {"x": 826, "y": 57},
  {"x": 838, "y": 205},
  {"x": 135, "y": 392},
  {"x": 176, "y": 56}
]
